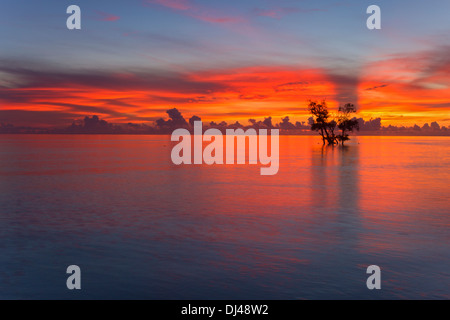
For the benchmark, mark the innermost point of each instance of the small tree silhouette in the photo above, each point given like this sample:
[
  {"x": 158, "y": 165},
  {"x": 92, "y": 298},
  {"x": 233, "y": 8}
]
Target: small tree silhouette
[
  {"x": 345, "y": 123},
  {"x": 325, "y": 127},
  {"x": 320, "y": 122}
]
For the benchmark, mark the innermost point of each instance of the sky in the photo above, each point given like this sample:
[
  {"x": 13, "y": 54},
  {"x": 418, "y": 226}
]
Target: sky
[{"x": 223, "y": 60}]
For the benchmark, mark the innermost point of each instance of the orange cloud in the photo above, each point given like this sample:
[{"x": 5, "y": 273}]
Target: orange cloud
[
  {"x": 230, "y": 94},
  {"x": 400, "y": 90},
  {"x": 407, "y": 89}
]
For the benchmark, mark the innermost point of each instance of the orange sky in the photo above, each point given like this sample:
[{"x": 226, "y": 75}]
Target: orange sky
[{"x": 389, "y": 89}]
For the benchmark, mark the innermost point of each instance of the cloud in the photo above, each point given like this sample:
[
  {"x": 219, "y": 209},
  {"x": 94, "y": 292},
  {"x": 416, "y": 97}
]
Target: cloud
[
  {"x": 345, "y": 85},
  {"x": 173, "y": 4},
  {"x": 176, "y": 120},
  {"x": 32, "y": 77},
  {"x": 377, "y": 87},
  {"x": 36, "y": 118},
  {"x": 103, "y": 16},
  {"x": 208, "y": 17},
  {"x": 292, "y": 86},
  {"x": 416, "y": 86},
  {"x": 117, "y": 95},
  {"x": 198, "y": 12},
  {"x": 279, "y": 12},
  {"x": 233, "y": 93}
]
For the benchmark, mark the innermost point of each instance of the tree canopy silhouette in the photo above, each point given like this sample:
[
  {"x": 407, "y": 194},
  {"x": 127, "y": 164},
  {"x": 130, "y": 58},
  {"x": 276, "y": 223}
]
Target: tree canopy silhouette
[
  {"x": 325, "y": 123},
  {"x": 345, "y": 123}
]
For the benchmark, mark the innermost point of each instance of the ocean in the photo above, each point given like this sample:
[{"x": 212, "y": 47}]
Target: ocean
[{"x": 140, "y": 227}]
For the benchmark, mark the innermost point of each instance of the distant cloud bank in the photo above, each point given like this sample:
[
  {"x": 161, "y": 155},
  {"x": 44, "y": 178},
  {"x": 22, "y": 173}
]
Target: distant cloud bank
[{"x": 95, "y": 125}]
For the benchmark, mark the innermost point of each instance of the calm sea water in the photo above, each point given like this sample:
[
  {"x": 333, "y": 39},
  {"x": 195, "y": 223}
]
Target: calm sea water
[{"x": 140, "y": 227}]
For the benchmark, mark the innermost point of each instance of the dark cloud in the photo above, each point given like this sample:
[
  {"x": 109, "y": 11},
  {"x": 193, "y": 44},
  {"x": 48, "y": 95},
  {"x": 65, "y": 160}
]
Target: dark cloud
[
  {"x": 18, "y": 95},
  {"x": 253, "y": 97},
  {"x": 268, "y": 122},
  {"x": 38, "y": 118},
  {"x": 95, "y": 125},
  {"x": 106, "y": 110},
  {"x": 292, "y": 86},
  {"x": 376, "y": 87},
  {"x": 193, "y": 119},
  {"x": 31, "y": 76},
  {"x": 346, "y": 87},
  {"x": 176, "y": 120},
  {"x": 437, "y": 62},
  {"x": 369, "y": 125},
  {"x": 84, "y": 108},
  {"x": 286, "y": 124}
]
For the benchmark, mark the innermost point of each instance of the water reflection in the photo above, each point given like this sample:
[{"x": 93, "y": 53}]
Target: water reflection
[{"x": 142, "y": 227}]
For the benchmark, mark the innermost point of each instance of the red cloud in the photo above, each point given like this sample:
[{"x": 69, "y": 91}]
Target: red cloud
[
  {"x": 173, "y": 4},
  {"x": 103, "y": 16},
  {"x": 408, "y": 89},
  {"x": 280, "y": 12},
  {"x": 411, "y": 88},
  {"x": 196, "y": 12}
]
